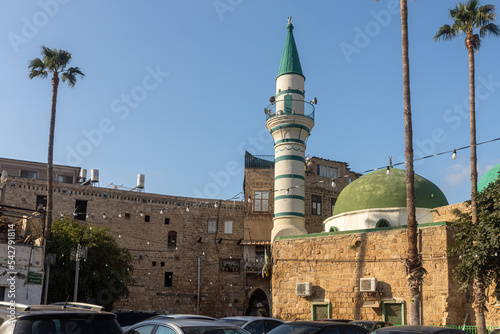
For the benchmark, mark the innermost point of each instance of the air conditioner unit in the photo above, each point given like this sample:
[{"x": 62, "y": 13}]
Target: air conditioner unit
[
  {"x": 367, "y": 284},
  {"x": 303, "y": 289}
]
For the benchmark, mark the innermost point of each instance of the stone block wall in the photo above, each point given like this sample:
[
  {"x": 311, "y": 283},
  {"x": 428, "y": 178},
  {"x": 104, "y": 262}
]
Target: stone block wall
[{"x": 334, "y": 263}]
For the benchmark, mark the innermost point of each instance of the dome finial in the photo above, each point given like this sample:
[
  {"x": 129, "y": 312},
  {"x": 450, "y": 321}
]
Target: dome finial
[
  {"x": 289, "y": 20},
  {"x": 390, "y": 161}
]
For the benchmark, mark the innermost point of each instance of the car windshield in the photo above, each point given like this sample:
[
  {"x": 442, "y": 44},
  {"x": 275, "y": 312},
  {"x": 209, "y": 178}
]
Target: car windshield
[
  {"x": 234, "y": 321},
  {"x": 295, "y": 329},
  {"x": 213, "y": 330},
  {"x": 67, "y": 324}
]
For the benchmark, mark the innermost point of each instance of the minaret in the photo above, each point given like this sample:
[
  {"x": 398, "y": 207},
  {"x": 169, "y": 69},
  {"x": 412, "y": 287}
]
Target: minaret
[{"x": 289, "y": 120}]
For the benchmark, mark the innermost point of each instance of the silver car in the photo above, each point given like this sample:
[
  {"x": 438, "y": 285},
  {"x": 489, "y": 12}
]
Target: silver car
[
  {"x": 183, "y": 326},
  {"x": 254, "y": 325}
]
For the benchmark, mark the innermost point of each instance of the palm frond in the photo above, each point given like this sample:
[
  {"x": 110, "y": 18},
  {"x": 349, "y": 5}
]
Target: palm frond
[
  {"x": 37, "y": 69},
  {"x": 446, "y": 33},
  {"x": 70, "y": 75},
  {"x": 489, "y": 29}
]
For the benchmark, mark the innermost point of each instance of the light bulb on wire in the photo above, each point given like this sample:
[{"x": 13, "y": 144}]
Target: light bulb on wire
[
  {"x": 161, "y": 211},
  {"x": 454, "y": 155},
  {"x": 333, "y": 183},
  {"x": 388, "y": 171}
]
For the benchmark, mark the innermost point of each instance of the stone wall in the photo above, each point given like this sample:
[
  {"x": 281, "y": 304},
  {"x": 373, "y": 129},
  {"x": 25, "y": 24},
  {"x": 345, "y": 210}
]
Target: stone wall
[
  {"x": 335, "y": 262},
  {"x": 137, "y": 223}
]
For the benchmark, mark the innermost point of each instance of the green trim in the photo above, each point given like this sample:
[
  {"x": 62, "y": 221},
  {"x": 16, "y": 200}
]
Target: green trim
[
  {"x": 290, "y": 140},
  {"x": 384, "y": 311},
  {"x": 290, "y": 91},
  {"x": 290, "y": 176},
  {"x": 314, "y": 313},
  {"x": 379, "y": 229},
  {"x": 296, "y": 214},
  {"x": 277, "y": 198},
  {"x": 290, "y": 157},
  {"x": 290, "y": 125}
]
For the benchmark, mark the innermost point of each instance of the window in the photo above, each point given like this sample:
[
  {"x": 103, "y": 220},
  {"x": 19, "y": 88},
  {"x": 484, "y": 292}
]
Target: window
[
  {"x": 2, "y": 293},
  {"x": 127, "y": 215},
  {"x": 382, "y": 223},
  {"x": 41, "y": 201},
  {"x": 212, "y": 226},
  {"x": 167, "y": 221},
  {"x": 231, "y": 266},
  {"x": 228, "y": 227},
  {"x": 316, "y": 205},
  {"x": 165, "y": 330},
  {"x": 148, "y": 329},
  {"x": 168, "y": 279},
  {"x": 64, "y": 179},
  {"x": 333, "y": 201},
  {"x": 172, "y": 240},
  {"x": 80, "y": 210},
  {"x": 256, "y": 326},
  {"x": 29, "y": 174},
  {"x": 162, "y": 264},
  {"x": 261, "y": 201},
  {"x": 153, "y": 263},
  {"x": 328, "y": 171},
  {"x": 147, "y": 218}
]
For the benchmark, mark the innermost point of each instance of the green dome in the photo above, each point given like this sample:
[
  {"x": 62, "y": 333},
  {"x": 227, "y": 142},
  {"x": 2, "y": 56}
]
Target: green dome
[
  {"x": 290, "y": 62},
  {"x": 379, "y": 190},
  {"x": 489, "y": 177}
]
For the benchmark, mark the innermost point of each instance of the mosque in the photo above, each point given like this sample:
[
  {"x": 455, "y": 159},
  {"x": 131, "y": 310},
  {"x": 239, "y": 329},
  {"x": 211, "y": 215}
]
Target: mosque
[{"x": 356, "y": 265}]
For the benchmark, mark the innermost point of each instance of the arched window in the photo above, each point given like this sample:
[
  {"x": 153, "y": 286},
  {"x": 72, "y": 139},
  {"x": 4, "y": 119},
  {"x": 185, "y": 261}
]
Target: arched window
[
  {"x": 172, "y": 240},
  {"x": 382, "y": 223},
  {"x": 333, "y": 229}
]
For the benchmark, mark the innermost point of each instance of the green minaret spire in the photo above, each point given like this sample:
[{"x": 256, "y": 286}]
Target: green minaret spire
[{"x": 290, "y": 62}]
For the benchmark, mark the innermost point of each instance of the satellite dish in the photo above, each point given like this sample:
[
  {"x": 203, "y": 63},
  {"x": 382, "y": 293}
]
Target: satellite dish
[
  {"x": 272, "y": 99},
  {"x": 4, "y": 176}
]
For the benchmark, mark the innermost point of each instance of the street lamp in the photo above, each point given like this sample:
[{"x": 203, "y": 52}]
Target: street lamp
[{"x": 77, "y": 254}]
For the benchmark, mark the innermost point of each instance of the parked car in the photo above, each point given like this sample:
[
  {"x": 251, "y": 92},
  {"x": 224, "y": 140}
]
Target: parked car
[
  {"x": 371, "y": 325},
  {"x": 318, "y": 327},
  {"x": 418, "y": 330},
  {"x": 183, "y": 326},
  {"x": 173, "y": 316},
  {"x": 57, "y": 319},
  {"x": 253, "y": 324},
  {"x": 334, "y": 320}
]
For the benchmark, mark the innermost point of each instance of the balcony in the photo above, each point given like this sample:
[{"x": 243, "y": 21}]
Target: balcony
[
  {"x": 290, "y": 106},
  {"x": 254, "y": 264}
]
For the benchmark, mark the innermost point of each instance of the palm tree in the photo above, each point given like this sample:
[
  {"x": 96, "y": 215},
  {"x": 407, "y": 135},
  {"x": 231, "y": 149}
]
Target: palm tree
[
  {"x": 467, "y": 19},
  {"x": 54, "y": 61},
  {"x": 414, "y": 268}
]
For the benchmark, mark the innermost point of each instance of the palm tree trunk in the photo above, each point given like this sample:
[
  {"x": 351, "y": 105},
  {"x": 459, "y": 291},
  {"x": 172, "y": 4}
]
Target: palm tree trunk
[
  {"x": 50, "y": 157},
  {"x": 478, "y": 285},
  {"x": 413, "y": 263}
]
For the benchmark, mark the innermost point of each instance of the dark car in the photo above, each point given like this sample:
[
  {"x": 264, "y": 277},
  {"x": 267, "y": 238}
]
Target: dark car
[
  {"x": 371, "y": 325},
  {"x": 318, "y": 327},
  {"x": 254, "y": 325},
  {"x": 334, "y": 320},
  {"x": 57, "y": 319},
  {"x": 183, "y": 326},
  {"x": 418, "y": 330}
]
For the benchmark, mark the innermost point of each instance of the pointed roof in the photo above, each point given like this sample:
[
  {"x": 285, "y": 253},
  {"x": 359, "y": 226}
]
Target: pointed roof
[{"x": 290, "y": 62}]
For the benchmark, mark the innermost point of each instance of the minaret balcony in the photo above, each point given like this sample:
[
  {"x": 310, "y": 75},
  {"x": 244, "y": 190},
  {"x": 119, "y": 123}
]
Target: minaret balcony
[{"x": 287, "y": 106}]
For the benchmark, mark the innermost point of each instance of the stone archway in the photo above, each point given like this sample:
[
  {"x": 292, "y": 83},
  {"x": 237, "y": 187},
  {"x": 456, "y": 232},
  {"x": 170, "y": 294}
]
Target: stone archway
[{"x": 258, "y": 304}]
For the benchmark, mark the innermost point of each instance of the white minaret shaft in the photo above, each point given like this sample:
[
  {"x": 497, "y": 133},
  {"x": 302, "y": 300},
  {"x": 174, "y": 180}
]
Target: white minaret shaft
[{"x": 290, "y": 121}]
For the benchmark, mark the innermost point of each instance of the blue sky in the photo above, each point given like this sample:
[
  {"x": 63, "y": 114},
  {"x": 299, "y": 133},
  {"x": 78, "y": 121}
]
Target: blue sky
[{"x": 176, "y": 90}]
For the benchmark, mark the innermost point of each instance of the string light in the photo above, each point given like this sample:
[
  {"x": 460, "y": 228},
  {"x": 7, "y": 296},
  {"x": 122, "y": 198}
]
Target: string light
[
  {"x": 288, "y": 191},
  {"x": 104, "y": 215},
  {"x": 187, "y": 209},
  {"x": 120, "y": 215},
  {"x": 454, "y": 155},
  {"x": 161, "y": 211},
  {"x": 216, "y": 205},
  {"x": 333, "y": 183},
  {"x": 142, "y": 214},
  {"x": 388, "y": 171}
]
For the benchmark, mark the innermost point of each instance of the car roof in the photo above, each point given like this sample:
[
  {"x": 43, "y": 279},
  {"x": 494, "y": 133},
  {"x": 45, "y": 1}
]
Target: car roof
[
  {"x": 417, "y": 329},
  {"x": 182, "y": 316},
  {"x": 318, "y": 324},
  {"x": 185, "y": 323},
  {"x": 22, "y": 310},
  {"x": 248, "y": 318},
  {"x": 370, "y": 321}
]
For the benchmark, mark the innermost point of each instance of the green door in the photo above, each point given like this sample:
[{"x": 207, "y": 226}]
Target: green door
[
  {"x": 288, "y": 104},
  {"x": 394, "y": 313}
]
